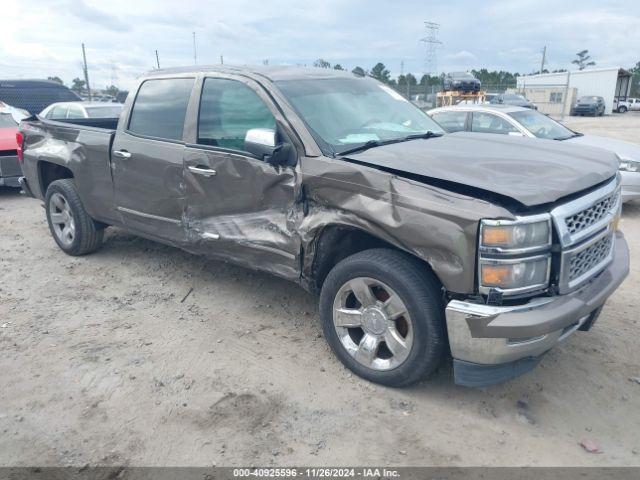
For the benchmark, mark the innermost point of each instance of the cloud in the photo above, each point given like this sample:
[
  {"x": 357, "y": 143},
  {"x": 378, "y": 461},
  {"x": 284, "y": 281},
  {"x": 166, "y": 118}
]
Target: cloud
[
  {"x": 122, "y": 36},
  {"x": 95, "y": 16},
  {"x": 462, "y": 56}
]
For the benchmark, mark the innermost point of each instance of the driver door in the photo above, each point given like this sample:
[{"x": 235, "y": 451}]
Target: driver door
[{"x": 238, "y": 206}]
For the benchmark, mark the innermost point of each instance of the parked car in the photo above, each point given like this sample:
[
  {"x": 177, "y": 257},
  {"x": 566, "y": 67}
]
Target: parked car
[
  {"x": 590, "y": 105},
  {"x": 528, "y": 123},
  {"x": 34, "y": 95},
  {"x": 63, "y": 110},
  {"x": 418, "y": 243},
  {"x": 10, "y": 171},
  {"x": 514, "y": 99},
  {"x": 623, "y": 106},
  {"x": 461, "y": 82}
]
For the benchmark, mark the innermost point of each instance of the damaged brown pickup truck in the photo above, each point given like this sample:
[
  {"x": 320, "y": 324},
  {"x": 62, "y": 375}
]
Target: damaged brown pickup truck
[{"x": 490, "y": 248}]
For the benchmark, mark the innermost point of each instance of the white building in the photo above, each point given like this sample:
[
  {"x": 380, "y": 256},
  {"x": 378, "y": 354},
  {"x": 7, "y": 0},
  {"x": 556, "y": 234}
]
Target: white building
[{"x": 608, "y": 83}]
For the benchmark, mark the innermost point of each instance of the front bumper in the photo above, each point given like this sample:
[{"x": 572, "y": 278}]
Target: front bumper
[
  {"x": 490, "y": 336},
  {"x": 630, "y": 186}
]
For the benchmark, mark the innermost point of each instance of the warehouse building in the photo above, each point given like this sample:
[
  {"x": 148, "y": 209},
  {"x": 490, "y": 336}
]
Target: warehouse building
[{"x": 555, "y": 93}]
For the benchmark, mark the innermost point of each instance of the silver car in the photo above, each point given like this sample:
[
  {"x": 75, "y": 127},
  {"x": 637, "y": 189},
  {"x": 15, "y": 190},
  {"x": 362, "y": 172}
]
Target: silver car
[
  {"x": 71, "y": 110},
  {"x": 518, "y": 121}
]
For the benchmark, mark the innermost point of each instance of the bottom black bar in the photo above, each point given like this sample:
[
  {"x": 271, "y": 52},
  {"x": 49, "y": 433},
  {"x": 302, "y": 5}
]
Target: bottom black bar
[{"x": 375, "y": 473}]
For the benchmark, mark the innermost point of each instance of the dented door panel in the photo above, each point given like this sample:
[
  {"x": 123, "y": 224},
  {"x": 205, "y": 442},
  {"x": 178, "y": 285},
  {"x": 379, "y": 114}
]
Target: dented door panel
[{"x": 245, "y": 212}]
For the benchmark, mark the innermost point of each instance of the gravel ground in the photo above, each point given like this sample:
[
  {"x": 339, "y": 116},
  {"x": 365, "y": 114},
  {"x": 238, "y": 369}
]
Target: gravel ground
[{"x": 108, "y": 359}]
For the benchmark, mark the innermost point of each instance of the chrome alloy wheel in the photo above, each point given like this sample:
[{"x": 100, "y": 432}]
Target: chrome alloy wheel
[
  {"x": 64, "y": 225},
  {"x": 373, "y": 323}
]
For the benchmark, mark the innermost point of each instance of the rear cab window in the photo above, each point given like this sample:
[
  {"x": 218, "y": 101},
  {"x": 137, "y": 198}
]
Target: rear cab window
[{"x": 160, "y": 108}]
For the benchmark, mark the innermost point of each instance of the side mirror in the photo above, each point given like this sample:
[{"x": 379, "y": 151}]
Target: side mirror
[{"x": 260, "y": 142}]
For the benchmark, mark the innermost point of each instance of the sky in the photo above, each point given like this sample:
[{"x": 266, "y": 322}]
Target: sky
[{"x": 41, "y": 38}]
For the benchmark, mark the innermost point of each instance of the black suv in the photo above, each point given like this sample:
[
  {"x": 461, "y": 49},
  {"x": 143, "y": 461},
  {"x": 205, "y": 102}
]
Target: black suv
[
  {"x": 34, "y": 95},
  {"x": 461, "y": 81}
]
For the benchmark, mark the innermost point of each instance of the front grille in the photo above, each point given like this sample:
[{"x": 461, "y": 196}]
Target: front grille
[
  {"x": 585, "y": 234},
  {"x": 589, "y": 216},
  {"x": 590, "y": 258}
]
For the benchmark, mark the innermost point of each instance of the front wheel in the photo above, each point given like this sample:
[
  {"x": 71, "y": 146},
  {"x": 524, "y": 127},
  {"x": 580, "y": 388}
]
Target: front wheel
[
  {"x": 622, "y": 109},
  {"x": 383, "y": 316},
  {"x": 75, "y": 232}
]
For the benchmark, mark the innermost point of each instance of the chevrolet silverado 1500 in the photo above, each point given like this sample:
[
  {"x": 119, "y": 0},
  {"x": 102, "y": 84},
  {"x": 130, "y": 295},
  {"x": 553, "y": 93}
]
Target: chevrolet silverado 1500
[{"x": 420, "y": 244}]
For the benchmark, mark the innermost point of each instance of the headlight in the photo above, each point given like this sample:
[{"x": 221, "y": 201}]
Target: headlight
[
  {"x": 507, "y": 235},
  {"x": 628, "y": 165},
  {"x": 514, "y": 255},
  {"x": 515, "y": 274}
]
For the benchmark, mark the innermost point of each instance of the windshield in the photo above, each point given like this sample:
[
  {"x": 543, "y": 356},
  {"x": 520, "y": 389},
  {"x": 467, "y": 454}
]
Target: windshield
[
  {"x": 344, "y": 113},
  {"x": 588, "y": 100},
  {"x": 514, "y": 96},
  {"x": 541, "y": 125},
  {"x": 6, "y": 120},
  {"x": 104, "y": 112}
]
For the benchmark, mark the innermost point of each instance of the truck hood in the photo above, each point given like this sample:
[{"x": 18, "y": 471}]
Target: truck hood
[
  {"x": 620, "y": 147},
  {"x": 8, "y": 138},
  {"x": 528, "y": 170}
]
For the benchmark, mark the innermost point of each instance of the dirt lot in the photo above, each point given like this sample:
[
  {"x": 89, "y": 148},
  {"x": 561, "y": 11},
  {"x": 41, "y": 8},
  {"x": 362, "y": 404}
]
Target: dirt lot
[{"x": 103, "y": 362}]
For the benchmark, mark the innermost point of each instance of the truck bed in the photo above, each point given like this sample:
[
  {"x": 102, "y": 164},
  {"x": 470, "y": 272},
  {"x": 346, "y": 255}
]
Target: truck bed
[{"x": 83, "y": 147}]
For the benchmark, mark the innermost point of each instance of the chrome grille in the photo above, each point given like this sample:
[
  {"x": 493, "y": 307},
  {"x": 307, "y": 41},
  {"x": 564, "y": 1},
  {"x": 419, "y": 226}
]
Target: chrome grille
[
  {"x": 584, "y": 228},
  {"x": 589, "y": 216},
  {"x": 586, "y": 260}
]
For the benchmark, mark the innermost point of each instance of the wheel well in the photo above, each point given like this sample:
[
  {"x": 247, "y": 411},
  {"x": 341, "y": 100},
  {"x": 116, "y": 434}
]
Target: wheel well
[
  {"x": 335, "y": 243},
  {"x": 49, "y": 172}
]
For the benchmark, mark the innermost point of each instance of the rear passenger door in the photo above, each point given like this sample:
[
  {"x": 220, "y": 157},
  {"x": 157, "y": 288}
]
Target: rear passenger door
[
  {"x": 147, "y": 156},
  {"x": 239, "y": 207}
]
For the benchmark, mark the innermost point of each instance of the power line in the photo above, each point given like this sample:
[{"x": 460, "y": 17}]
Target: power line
[{"x": 431, "y": 43}]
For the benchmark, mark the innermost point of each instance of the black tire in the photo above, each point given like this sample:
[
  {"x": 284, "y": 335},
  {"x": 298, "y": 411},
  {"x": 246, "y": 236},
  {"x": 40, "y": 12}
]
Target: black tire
[
  {"x": 88, "y": 234},
  {"x": 419, "y": 290},
  {"x": 622, "y": 109}
]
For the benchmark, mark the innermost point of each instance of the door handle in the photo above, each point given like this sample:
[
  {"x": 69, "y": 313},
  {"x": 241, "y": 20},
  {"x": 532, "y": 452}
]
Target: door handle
[
  {"x": 121, "y": 154},
  {"x": 206, "y": 172}
]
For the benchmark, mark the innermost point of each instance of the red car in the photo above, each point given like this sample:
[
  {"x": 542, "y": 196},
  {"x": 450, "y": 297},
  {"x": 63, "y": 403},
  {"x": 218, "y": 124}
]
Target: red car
[{"x": 10, "y": 170}]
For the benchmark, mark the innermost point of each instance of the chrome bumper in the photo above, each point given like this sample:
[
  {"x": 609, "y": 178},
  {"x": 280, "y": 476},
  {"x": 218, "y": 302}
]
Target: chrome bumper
[{"x": 492, "y": 335}]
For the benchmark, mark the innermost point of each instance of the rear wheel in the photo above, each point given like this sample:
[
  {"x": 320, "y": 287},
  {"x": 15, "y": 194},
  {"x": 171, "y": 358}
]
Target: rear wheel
[
  {"x": 383, "y": 316},
  {"x": 75, "y": 232}
]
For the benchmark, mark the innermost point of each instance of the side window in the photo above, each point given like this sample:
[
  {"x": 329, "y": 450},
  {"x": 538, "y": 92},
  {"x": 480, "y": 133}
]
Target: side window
[
  {"x": 58, "y": 112},
  {"x": 489, "y": 123},
  {"x": 75, "y": 112},
  {"x": 160, "y": 108},
  {"x": 451, "y": 121},
  {"x": 228, "y": 108}
]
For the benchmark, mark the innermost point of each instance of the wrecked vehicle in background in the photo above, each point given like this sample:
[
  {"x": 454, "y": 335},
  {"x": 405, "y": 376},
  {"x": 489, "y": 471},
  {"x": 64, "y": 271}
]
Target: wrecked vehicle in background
[{"x": 419, "y": 243}]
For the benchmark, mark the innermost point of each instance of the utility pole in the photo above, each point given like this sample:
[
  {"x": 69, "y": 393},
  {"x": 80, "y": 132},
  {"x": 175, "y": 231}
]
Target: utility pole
[
  {"x": 157, "y": 60},
  {"x": 544, "y": 57},
  {"x": 221, "y": 60},
  {"x": 86, "y": 72},
  {"x": 195, "y": 56}
]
